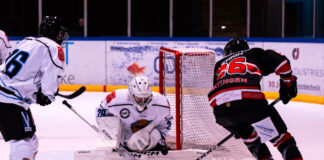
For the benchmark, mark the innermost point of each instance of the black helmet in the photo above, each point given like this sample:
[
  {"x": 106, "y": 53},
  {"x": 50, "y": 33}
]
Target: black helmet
[
  {"x": 235, "y": 45},
  {"x": 52, "y": 27}
]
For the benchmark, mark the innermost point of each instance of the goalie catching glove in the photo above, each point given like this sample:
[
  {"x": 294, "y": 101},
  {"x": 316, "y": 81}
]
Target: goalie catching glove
[
  {"x": 288, "y": 88},
  {"x": 144, "y": 139}
]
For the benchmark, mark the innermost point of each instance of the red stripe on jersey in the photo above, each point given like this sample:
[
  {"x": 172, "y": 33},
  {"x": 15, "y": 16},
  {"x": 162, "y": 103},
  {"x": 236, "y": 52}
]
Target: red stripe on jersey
[
  {"x": 253, "y": 68},
  {"x": 267, "y": 157},
  {"x": 233, "y": 88},
  {"x": 213, "y": 103},
  {"x": 60, "y": 54},
  {"x": 252, "y": 95},
  {"x": 283, "y": 68},
  {"x": 7, "y": 37},
  {"x": 111, "y": 96},
  {"x": 253, "y": 137},
  {"x": 286, "y": 137}
]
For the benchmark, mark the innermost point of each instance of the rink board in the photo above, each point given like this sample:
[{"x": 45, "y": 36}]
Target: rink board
[{"x": 269, "y": 95}]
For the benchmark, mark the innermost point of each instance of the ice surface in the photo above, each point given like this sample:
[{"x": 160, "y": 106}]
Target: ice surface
[{"x": 61, "y": 132}]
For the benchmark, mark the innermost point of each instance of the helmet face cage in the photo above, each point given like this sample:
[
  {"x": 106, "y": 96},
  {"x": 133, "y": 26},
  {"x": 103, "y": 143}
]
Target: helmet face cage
[
  {"x": 52, "y": 27},
  {"x": 235, "y": 45},
  {"x": 140, "y": 91}
]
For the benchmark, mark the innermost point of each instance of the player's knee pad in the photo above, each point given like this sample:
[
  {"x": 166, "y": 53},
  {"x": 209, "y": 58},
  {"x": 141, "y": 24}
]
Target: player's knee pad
[
  {"x": 23, "y": 149},
  {"x": 259, "y": 150},
  {"x": 287, "y": 146}
]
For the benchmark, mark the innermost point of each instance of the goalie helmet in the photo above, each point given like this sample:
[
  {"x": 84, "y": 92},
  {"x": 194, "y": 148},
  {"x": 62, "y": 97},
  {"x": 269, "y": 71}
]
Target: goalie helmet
[
  {"x": 235, "y": 45},
  {"x": 52, "y": 27},
  {"x": 140, "y": 91}
]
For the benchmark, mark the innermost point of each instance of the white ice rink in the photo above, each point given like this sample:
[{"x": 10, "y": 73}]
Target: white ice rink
[{"x": 61, "y": 132}]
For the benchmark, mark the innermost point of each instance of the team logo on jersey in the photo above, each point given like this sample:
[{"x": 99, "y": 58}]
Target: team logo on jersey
[
  {"x": 60, "y": 54},
  {"x": 139, "y": 124},
  {"x": 124, "y": 113}
]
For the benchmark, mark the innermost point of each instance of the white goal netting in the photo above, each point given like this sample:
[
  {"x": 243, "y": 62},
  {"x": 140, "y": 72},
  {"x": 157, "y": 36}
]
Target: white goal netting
[{"x": 191, "y": 70}]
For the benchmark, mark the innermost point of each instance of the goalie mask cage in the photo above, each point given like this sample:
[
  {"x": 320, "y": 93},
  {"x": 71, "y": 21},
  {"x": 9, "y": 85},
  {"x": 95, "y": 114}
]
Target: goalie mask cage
[{"x": 185, "y": 78}]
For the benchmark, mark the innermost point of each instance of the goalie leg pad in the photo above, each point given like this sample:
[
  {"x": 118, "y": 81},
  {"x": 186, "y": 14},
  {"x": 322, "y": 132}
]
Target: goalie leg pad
[{"x": 110, "y": 132}]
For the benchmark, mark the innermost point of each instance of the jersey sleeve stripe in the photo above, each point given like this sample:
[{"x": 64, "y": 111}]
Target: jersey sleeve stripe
[
  {"x": 158, "y": 105},
  {"x": 116, "y": 105},
  {"x": 283, "y": 68},
  {"x": 253, "y": 69}
]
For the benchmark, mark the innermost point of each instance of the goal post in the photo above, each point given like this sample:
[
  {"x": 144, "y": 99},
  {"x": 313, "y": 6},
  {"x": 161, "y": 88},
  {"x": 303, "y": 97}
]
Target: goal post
[{"x": 185, "y": 78}]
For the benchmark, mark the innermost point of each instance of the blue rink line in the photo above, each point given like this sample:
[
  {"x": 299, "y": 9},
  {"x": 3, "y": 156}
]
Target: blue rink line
[{"x": 294, "y": 40}]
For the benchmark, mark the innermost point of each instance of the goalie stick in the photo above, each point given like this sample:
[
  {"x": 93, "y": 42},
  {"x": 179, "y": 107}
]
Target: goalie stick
[
  {"x": 227, "y": 137},
  {"x": 121, "y": 150},
  {"x": 74, "y": 94}
]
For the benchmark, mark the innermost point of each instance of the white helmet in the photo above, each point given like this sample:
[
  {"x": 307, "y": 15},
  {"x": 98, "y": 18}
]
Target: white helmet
[{"x": 141, "y": 92}]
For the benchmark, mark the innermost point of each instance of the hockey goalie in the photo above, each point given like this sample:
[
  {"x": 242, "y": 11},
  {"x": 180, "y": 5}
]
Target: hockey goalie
[{"x": 135, "y": 118}]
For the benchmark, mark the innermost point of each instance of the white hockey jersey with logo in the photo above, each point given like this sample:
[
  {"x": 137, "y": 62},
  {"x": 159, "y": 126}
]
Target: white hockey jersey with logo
[
  {"x": 4, "y": 46},
  {"x": 33, "y": 63},
  {"x": 120, "y": 104}
]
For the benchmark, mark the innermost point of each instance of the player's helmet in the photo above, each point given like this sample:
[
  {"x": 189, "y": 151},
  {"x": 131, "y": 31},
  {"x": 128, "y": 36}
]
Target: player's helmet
[
  {"x": 235, "y": 45},
  {"x": 140, "y": 91},
  {"x": 52, "y": 27}
]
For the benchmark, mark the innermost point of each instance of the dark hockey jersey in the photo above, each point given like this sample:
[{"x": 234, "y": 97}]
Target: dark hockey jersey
[{"x": 238, "y": 75}]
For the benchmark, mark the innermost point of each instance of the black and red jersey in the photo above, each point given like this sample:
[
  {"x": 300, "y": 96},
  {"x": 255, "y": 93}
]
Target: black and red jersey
[{"x": 238, "y": 75}]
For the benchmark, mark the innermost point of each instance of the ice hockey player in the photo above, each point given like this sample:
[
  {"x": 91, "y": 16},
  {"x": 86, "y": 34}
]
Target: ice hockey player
[
  {"x": 240, "y": 106},
  {"x": 4, "y": 46},
  {"x": 29, "y": 76},
  {"x": 144, "y": 115}
]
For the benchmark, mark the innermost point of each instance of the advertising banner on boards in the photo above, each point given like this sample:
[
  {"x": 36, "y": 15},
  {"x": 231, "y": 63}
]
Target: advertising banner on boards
[
  {"x": 307, "y": 62},
  {"x": 126, "y": 59},
  {"x": 107, "y": 62}
]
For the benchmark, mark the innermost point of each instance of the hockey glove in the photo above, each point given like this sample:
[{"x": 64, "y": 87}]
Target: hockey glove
[
  {"x": 288, "y": 88},
  {"x": 144, "y": 139},
  {"x": 41, "y": 99}
]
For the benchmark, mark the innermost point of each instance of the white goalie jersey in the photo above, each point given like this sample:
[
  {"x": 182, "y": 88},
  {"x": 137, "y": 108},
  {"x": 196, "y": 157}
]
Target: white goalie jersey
[
  {"x": 33, "y": 63},
  {"x": 120, "y": 104}
]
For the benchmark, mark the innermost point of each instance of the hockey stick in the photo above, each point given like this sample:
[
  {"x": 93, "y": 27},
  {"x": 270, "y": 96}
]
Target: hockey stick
[
  {"x": 228, "y": 137},
  {"x": 121, "y": 150},
  {"x": 74, "y": 94},
  {"x": 71, "y": 96}
]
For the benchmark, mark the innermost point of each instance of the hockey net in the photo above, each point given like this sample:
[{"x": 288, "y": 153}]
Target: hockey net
[{"x": 186, "y": 77}]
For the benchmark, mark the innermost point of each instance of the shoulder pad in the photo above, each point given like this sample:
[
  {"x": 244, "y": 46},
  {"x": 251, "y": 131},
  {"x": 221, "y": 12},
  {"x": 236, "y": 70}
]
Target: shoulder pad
[{"x": 159, "y": 100}]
